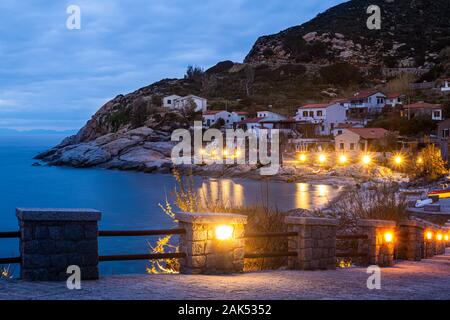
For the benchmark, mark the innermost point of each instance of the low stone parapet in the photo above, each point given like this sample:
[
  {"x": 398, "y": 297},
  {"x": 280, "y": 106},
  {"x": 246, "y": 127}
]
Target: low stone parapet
[
  {"x": 53, "y": 239},
  {"x": 213, "y": 243},
  {"x": 381, "y": 241},
  {"x": 315, "y": 243},
  {"x": 410, "y": 243}
]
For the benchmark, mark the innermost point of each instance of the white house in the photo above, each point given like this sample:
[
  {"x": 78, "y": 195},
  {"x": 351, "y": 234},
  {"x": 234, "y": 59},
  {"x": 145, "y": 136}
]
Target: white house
[
  {"x": 444, "y": 84},
  {"x": 395, "y": 99},
  {"x": 212, "y": 117},
  {"x": 178, "y": 102},
  {"x": 269, "y": 115},
  {"x": 229, "y": 118},
  {"x": 367, "y": 102},
  {"x": 325, "y": 115}
]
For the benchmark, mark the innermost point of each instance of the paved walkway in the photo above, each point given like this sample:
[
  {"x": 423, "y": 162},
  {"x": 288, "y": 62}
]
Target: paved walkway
[{"x": 427, "y": 279}]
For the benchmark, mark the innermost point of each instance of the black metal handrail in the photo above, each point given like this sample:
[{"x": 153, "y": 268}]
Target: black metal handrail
[
  {"x": 10, "y": 234},
  {"x": 10, "y": 260},
  {"x": 132, "y": 233},
  {"x": 146, "y": 256},
  {"x": 270, "y": 234}
]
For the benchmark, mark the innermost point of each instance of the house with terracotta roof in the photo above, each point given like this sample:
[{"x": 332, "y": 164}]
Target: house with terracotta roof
[
  {"x": 212, "y": 117},
  {"x": 355, "y": 140},
  {"x": 434, "y": 111},
  {"x": 367, "y": 101},
  {"x": 324, "y": 115},
  {"x": 395, "y": 99}
]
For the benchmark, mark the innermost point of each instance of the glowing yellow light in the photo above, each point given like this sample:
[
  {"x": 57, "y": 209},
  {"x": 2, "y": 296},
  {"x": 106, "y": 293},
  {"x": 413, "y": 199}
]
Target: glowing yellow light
[
  {"x": 439, "y": 237},
  {"x": 388, "y": 237},
  {"x": 302, "y": 157},
  {"x": 398, "y": 160},
  {"x": 224, "y": 232},
  {"x": 366, "y": 159},
  {"x": 237, "y": 154},
  {"x": 419, "y": 160},
  {"x": 322, "y": 158},
  {"x": 429, "y": 235},
  {"x": 343, "y": 158},
  {"x": 446, "y": 237},
  {"x": 225, "y": 152},
  {"x": 202, "y": 151}
]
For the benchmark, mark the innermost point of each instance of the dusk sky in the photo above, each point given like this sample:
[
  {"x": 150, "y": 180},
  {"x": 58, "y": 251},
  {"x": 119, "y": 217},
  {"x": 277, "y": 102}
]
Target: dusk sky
[{"x": 55, "y": 78}]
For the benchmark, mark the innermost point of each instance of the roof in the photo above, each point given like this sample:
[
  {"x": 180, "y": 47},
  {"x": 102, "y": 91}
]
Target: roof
[
  {"x": 212, "y": 112},
  {"x": 365, "y": 94},
  {"x": 240, "y": 112},
  {"x": 369, "y": 133},
  {"x": 316, "y": 106},
  {"x": 394, "y": 95},
  {"x": 422, "y": 105},
  {"x": 251, "y": 120},
  {"x": 193, "y": 96},
  {"x": 343, "y": 126}
]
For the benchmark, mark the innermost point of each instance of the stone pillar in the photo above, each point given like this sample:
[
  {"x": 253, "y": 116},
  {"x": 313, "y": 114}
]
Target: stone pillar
[
  {"x": 380, "y": 251},
  {"x": 53, "y": 239},
  {"x": 410, "y": 242},
  {"x": 315, "y": 243},
  {"x": 206, "y": 252},
  {"x": 440, "y": 244}
]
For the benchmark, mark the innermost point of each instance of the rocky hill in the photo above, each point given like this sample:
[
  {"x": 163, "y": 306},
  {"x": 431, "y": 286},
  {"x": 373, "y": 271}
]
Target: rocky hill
[{"x": 315, "y": 61}]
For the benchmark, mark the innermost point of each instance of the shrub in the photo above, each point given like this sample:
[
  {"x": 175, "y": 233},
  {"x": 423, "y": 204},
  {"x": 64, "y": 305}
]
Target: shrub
[{"x": 432, "y": 166}]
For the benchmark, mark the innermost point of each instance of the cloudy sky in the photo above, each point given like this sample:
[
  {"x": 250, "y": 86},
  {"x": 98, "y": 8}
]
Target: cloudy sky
[{"x": 55, "y": 78}]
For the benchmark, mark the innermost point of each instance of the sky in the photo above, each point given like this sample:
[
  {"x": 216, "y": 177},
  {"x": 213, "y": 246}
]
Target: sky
[{"x": 52, "y": 77}]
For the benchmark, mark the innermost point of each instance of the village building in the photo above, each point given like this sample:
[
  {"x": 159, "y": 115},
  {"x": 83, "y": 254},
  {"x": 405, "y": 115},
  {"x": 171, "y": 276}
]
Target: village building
[
  {"x": 356, "y": 140},
  {"x": 223, "y": 118},
  {"x": 395, "y": 99},
  {"x": 269, "y": 115},
  {"x": 178, "y": 102},
  {"x": 367, "y": 102},
  {"x": 444, "y": 85},
  {"x": 443, "y": 134},
  {"x": 324, "y": 116},
  {"x": 434, "y": 111}
]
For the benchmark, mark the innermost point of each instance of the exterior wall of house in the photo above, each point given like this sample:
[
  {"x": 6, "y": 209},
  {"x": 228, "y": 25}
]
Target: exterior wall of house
[
  {"x": 350, "y": 142},
  {"x": 326, "y": 118},
  {"x": 445, "y": 86},
  {"x": 211, "y": 119},
  {"x": 435, "y": 114},
  {"x": 235, "y": 117},
  {"x": 270, "y": 115},
  {"x": 169, "y": 101},
  {"x": 373, "y": 103}
]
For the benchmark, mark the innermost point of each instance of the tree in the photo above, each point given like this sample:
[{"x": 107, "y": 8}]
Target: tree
[
  {"x": 194, "y": 73},
  {"x": 249, "y": 78},
  {"x": 431, "y": 164}
]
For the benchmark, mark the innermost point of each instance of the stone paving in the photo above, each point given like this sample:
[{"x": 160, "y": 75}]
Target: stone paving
[{"x": 427, "y": 279}]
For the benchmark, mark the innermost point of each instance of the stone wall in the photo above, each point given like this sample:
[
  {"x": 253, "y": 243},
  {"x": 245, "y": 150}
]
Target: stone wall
[
  {"x": 315, "y": 243},
  {"x": 53, "y": 239},
  {"x": 411, "y": 240},
  {"x": 380, "y": 252},
  {"x": 205, "y": 252}
]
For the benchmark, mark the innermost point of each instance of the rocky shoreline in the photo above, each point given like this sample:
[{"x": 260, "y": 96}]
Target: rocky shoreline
[{"x": 148, "y": 150}]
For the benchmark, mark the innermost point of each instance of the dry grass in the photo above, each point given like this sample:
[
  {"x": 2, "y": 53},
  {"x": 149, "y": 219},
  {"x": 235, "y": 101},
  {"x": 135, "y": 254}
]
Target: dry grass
[{"x": 261, "y": 218}]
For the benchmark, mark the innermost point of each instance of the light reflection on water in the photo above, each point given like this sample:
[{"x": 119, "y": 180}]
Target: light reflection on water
[{"x": 285, "y": 196}]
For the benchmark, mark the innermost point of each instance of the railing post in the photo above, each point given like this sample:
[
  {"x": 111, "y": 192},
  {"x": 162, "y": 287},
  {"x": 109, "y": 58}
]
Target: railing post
[
  {"x": 213, "y": 243},
  {"x": 380, "y": 246},
  {"x": 315, "y": 243},
  {"x": 53, "y": 239},
  {"x": 410, "y": 244}
]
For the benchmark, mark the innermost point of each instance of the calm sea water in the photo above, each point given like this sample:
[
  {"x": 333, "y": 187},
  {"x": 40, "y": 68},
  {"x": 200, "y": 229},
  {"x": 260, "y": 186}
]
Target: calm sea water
[{"x": 128, "y": 200}]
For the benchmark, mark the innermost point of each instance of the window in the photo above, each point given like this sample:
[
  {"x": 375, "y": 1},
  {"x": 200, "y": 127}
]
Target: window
[
  {"x": 352, "y": 146},
  {"x": 319, "y": 113},
  {"x": 341, "y": 146},
  {"x": 322, "y": 128},
  {"x": 169, "y": 101},
  {"x": 311, "y": 114},
  {"x": 305, "y": 113},
  {"x": 362, "y": 146},
  {"x": 242, "y": 118},
  {"x": 445, "y": 133},
  {"x": 339, "y": 131},
  {"x": 437, "y": 114}
]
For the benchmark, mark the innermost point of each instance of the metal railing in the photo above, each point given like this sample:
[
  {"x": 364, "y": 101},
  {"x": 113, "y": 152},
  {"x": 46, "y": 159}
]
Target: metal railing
[{"x": 10, "y": 235}]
